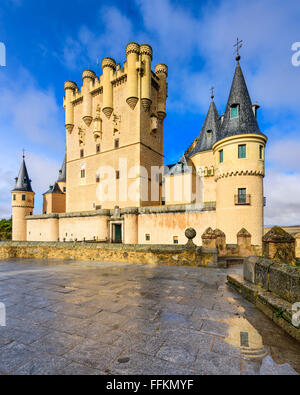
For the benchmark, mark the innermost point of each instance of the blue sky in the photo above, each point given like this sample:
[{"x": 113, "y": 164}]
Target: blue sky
[{"x": 48, "y": 42}]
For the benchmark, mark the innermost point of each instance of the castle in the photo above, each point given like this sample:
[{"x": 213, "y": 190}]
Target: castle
[{"x": 114, "y": 186}]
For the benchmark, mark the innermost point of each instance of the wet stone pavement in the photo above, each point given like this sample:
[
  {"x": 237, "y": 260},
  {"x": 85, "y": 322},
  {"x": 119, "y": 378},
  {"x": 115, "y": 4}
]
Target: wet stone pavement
[{"x": 108, "y": 318}]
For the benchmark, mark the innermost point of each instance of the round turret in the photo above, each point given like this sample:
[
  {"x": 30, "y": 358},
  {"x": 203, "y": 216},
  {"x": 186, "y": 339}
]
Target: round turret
[
  {"x": 22, "y": 204},
  {"x": 70, "y": 89},
  {"x": 146, "y": 55},
  {"x": 240, "y": 169},
  {"x": 108, "y": 67},
  {"x": 161, "y": 70},
  {"x": 88, "y": 77},
  {"x": 146, "y": 49},
  {"x": 132, "y": 54},
  {"x": 88, "y": 74},
  {"x": 70, "y": 85},
  {"x": 132, "y": 48}
]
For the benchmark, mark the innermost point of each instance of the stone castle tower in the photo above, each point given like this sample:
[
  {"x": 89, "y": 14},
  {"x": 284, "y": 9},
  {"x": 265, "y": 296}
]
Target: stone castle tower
[
  {"x": 119, "y": 116},
  {"x": 240, "y": 164},
  {"x": 22, "y": 203}
]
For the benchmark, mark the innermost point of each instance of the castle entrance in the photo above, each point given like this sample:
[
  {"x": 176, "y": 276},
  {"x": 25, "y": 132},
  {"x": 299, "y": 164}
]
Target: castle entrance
[{"x": 117, "y": 233}]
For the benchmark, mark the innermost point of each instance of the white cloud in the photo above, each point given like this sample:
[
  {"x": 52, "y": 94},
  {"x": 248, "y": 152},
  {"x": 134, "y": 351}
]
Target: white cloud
[
  {"x": 108, "y": 39},
  {"x": 30, "y": 117},
  {"x": 283, "y": 199},
  {"x": 29, "y": 111},
  {"x": 284, "y": 154}
]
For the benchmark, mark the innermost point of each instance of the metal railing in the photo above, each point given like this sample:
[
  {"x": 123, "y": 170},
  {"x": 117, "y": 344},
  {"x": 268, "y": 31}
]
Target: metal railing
[{"x": 242, "y": 199}]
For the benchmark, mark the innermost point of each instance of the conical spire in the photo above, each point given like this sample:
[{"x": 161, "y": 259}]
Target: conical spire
[
  {"x": 178, "y": 168},
  {"x": 23, "y": 182},
  {"x": 209, "y": 132},
  {"x": 62, "y": 172},
  {"x": 54, "y": 189},
  {"x": 239, "y": 117}
]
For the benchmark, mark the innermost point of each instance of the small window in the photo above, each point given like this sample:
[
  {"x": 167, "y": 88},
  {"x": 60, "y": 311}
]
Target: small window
[
  {"x": 97, "y": 179},
  {"x": 98, "y": 148},
  {"x": 163, "y": 201},
  {"x": 242, "y": 196},
  {"x": 14, "y": 197},
  {"x": 81, "y": 153},
  {"x": 175, "y": 240},
  {"x": 221, "y": 156},
  {"x": 23, "y": 198},
  {"x": 261, "y": 152},
  {"x": 242, "y": 151},
  {"x": 82, "y": 173},
  {"x": 25, "y": 181},
  {"x": 209, "y": 133},
  {"x": 117, "y": 144},
  {"x": 234, "y": 111},
  {"x": 65, "y": 189},
  {"x": 117, "y": 175},
  {"x": 148, "y": 237}
]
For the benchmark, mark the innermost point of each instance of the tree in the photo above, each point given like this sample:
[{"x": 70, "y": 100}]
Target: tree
[{"x": 5, "y": 229}]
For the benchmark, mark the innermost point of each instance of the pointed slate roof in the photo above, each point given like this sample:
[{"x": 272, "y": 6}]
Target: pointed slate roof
[
  {"x": 62, "y": 172},
  {"x": 246, "y": 122},
  {"x": 179, "y": 168},
  {"x": 54, "y": 189},
  {"x": 210, "y": 131},
  {"x": 23, "y": 182}
]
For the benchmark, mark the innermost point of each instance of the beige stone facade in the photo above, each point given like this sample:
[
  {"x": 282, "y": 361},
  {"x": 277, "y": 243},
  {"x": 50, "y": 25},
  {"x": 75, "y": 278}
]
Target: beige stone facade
[{"x": 116, "y": 188}]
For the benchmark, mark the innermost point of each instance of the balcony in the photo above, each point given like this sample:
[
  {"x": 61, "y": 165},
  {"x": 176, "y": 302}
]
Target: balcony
[{"x": 242, "y": 200}]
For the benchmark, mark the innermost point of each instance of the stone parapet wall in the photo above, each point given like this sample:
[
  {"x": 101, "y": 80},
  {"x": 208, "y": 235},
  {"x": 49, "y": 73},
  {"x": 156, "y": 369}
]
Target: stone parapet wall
[
  {"x": 273, "y": 288},
  {"x": 144, "y": 254},
  {"x": 277, "y": 309},
  {"x": 281, "y": 280}
]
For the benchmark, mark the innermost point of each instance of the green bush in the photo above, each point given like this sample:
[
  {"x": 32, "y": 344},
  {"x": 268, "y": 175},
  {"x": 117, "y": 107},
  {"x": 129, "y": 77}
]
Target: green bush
[{"x": 5, "y": 229}]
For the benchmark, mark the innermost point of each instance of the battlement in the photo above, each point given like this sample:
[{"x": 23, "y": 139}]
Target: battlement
[{"x": 143, "y": 55}]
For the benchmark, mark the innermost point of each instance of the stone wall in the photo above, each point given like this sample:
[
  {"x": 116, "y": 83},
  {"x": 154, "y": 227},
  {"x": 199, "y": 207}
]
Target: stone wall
[
  {"x": 282, "y": 280},
  {"x": 273, "y": 288},
  {"x": 161, "y": 254}
]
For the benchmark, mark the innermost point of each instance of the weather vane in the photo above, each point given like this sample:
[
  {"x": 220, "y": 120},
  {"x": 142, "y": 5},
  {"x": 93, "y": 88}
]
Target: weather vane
[
  {"x": 238, "y": 45},
  {"x": 212, "y": 91}
]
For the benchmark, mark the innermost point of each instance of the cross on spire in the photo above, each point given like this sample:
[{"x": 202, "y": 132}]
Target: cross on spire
[
  {"x": 212, "y": 91},
  {"x": 238, "y": 46}
]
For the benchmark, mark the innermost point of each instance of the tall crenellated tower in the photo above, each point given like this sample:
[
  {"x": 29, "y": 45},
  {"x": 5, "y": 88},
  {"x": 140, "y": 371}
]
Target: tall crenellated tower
[
  {"x": 240, "y": 165},
  {"x": 22, "y": 204},
  {"x": 111, "y": 120}
]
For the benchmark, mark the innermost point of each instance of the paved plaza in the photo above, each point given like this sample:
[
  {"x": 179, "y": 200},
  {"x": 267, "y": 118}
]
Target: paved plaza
[{"x": 109, "y": 318}]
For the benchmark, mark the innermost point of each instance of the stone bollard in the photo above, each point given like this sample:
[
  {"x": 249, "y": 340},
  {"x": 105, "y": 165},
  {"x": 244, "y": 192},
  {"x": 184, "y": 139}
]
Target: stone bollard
[
  {"x": 220, "y": 241},
  {"x": 279, "y": 246},
  {"x": 244, "y": 239},
  {"x": 190, "y": 234},
  {"x": 209, "y": 239}
]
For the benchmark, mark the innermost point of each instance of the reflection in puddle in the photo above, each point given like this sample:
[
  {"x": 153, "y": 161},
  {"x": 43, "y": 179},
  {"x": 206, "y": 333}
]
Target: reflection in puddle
[{"x": 243, "y": 335}]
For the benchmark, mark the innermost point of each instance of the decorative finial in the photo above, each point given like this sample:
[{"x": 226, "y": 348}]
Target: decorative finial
[
  {"x": 212, "y": 91},
  {"x": 23, "y": 155},
  {"x": 238, "y": 45}
]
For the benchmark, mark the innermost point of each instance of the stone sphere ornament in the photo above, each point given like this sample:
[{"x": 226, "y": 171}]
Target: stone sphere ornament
[{"x": 190, "y": 233}]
